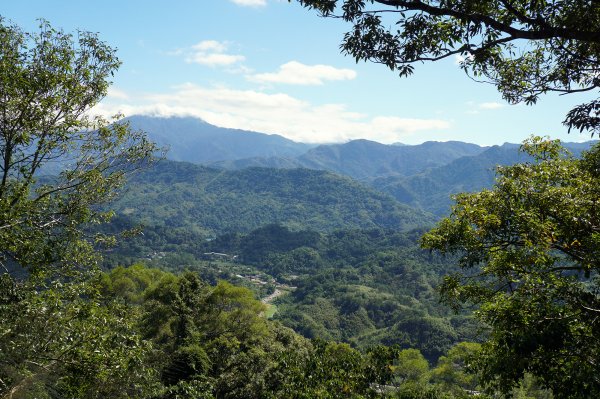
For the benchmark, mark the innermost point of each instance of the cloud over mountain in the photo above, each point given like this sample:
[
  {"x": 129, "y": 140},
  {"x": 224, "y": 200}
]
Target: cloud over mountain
[{"x": 275, "y": 113}]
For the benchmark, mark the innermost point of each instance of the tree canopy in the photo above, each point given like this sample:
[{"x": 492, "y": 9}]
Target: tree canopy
[
  {"x": 529, "y": 251},
  {"x": 525, "y": 48},
  {"x": 50, "y": 81},
  {"x": 57, "y": 165}
]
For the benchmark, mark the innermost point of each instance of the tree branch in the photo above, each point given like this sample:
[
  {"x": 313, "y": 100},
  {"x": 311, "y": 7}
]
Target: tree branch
[{"x": 544, "y": 33}]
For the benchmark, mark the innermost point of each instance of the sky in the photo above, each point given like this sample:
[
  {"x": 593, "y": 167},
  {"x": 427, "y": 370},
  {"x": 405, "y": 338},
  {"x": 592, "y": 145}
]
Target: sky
[{"x": 274, "y": 67}]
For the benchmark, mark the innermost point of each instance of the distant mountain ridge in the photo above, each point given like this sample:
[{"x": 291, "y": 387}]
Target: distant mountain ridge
[
  {"x": 431, "y": 190},
  {"x": 423, "y": 176},
  {"x": 194, "y": 140},
  {"x": 363, "y": 159}
]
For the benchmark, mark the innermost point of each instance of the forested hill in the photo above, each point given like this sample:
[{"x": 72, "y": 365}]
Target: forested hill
[
  {"x": 365, "y": 159},
  {"x": 431, "y": 190},
  {"x": 214, "y": 201},
  {"x": 361, "y": 286},
  {"x": 365, "y": 287}
]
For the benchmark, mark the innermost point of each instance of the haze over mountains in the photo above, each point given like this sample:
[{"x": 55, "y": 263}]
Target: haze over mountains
[
  {"x": 422, "y": 176},
  {"x": 193, "y": 140},
  {"x": 341, "y": 223}
]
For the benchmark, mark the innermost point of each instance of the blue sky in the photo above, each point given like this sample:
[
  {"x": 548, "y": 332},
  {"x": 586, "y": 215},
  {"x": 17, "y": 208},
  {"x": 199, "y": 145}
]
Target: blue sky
[{"x": 274, "y": 67}]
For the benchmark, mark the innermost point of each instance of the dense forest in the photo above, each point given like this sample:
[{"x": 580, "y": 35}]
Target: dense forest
[
  {"x": 364, "y": 287},
  {"x": 211, "y": 201},
  {"x": 126, "y": 275}
]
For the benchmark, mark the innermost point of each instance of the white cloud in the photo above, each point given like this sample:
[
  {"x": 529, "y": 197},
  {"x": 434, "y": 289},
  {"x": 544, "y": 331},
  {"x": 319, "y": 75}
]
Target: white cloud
[
  {"x": 296, "y": 73},
  {"x": 210, "y": 53},
  {"x": 476, "y": 108},
  {"x": 113, "y": 92},
  {"x": 250, "y": 3},
  {"x": 277, "y": 113},
  {"x": 491, "y": 105},
  {"x": 214, "y": 59},
  {"x": 210, "y": 45}
]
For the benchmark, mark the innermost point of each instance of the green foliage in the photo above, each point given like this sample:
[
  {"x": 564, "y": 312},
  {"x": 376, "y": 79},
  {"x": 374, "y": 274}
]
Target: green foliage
[
  {"x": 331, "y": 371},
  {"x": 68, "y": 340},
  {"x": 158, "y": 335},
  {"x": 363, "y": 287},
  {"x": 56, "y": 334},
  {"x": 410, "y": 367},
  {"x": 454, "y": 371},
  {"x": 50, "y": 81},
  {"x": 529, "y": 389},
  {"x": 214, "y": 342},
  {"x": 529, "y": 251},
  {"x": 194, "y": 199},
  {"x": 524, "y": 48},
  {"x": 67, "y": 330}
]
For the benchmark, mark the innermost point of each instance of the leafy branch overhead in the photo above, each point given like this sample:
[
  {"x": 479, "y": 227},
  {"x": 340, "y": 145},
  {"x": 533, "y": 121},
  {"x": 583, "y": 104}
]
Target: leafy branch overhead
[{"x": 525, "y": 48}]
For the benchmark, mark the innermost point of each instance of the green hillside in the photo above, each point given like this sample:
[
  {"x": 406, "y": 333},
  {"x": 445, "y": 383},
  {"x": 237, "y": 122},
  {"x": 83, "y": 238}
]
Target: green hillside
[
  {"x": 182, "y": 195},
  {"x": 364, "y": 287},
  {"x": 431, "y": 190}
]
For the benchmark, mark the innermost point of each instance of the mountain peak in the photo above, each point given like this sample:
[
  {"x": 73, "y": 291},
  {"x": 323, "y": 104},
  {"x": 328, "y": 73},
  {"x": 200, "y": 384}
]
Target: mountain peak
[{"x": 194, "y": 140}]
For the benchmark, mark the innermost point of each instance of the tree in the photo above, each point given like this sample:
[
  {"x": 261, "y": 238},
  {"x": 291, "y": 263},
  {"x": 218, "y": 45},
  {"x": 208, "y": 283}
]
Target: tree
[
  {"x": 530, "y": 253},
  {"x": 411, "y": 368},
  {"x": 50, "y": 81},
  {"x": 525, "y": 48},
  {"x": 64, "y": 342},
  {"x": 55, "y": 329},
  {"x": 332, "y": 370},
  {"x": 452, "y": 371}
]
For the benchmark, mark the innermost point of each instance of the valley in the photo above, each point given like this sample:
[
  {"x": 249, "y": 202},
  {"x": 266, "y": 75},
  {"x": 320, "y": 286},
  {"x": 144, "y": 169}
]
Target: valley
[
  {"x": 347, "y": 242},
  {"x": 214, "y": 204}
]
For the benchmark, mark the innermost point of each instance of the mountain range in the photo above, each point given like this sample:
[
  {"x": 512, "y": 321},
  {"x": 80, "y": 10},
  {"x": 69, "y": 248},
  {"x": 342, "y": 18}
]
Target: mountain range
[
  {"x": 431, "y": 190},
  {"x": 193, "y": 140},
  {"x": 341, "y": 222},
  {"x": 422, "y": 176},
  {"x": 364, "y": 159}
]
